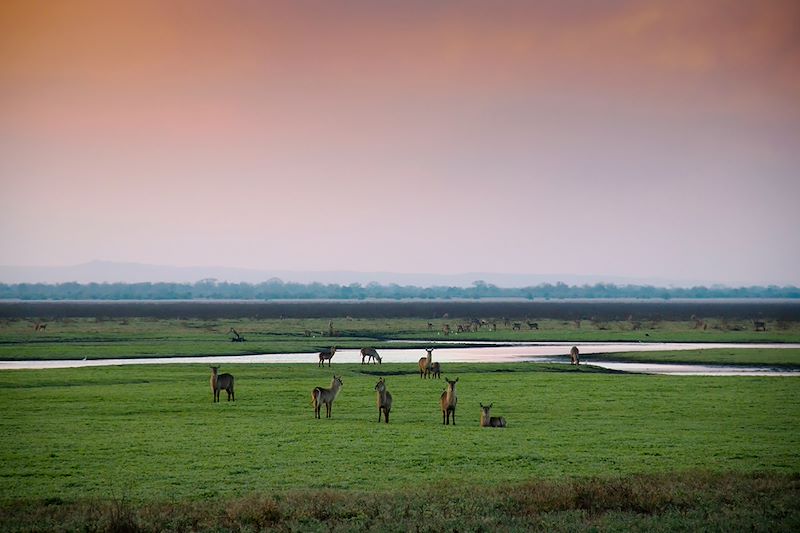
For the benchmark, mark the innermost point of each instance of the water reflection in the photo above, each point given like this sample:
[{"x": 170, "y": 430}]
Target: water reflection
[{"x": 550, "y": 352}]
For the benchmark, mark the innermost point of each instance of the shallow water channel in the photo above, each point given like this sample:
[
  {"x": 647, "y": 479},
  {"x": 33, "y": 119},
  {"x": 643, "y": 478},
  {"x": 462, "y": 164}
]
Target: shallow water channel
[{"x": 546, "y": 352}]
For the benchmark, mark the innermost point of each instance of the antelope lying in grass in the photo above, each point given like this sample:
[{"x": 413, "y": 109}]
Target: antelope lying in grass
[
  {"x": 425, "y": 363},
  {"x": 220, "y": 382},
  {"x": 326, "y": 354},
  {"x": 321, "y": 395},
  {"x": 448, "y": 402},
  {"x": 573, "y": 354},
  {"x": 488, "y": 421},
  {"x": 384, "y": 400},
  {"x": 370, "y": 353}
]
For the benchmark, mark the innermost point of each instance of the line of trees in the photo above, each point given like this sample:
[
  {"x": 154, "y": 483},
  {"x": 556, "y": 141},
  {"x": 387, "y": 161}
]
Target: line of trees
[{"x": 276, "y": 289}]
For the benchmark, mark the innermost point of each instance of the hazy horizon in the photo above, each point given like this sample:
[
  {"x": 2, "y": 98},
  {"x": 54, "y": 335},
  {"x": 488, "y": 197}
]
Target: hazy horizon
[{"x": 617, "y": 139}]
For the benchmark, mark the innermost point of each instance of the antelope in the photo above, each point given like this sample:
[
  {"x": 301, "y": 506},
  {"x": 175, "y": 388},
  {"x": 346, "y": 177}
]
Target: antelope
[
  {"x": 236, "y": 337},
  {"x": 446, "y": 329},
  {"x": 760, "y": 325},
  {"x": 533, "y": 325},
  {"x": 220, "y": 382},
  {"x": 321, "y": 395},
  {"x": 488, "y": 421},
  {"x": 327, "y": 353},
  {"x": 425, "y": 363},
  {"x": 436, "y": 370},
  {"x": 448, "y": 402},
  {"x": 516, "y": 325},
  {"x": 40, "y": 327},
  {"x": 573, "y": 354},
  {"x": 384, "y": 400},
  {"x": 370, "y": 353}
]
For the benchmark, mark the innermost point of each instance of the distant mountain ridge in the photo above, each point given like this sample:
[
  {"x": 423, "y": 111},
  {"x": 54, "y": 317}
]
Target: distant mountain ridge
[{"x": 121, "y": 272}]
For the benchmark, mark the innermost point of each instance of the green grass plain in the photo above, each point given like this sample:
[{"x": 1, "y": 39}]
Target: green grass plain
[{"x": 143, "y": 447}]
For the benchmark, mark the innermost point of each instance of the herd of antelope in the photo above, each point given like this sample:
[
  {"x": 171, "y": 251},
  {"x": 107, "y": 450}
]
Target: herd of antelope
[{"x": 428, "y": 368}]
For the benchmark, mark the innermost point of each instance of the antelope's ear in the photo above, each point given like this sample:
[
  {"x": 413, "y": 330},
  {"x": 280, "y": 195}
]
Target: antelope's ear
[
  {"x": 490, "y": 405},
  {"x": 481, "y": 404},
  {"x": 456, "y": 379}
]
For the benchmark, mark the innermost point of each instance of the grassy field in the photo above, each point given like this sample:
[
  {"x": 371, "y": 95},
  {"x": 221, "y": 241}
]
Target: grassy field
[
  {"x": 143, "y": 447},
  {"x": 76, "y": 338}
]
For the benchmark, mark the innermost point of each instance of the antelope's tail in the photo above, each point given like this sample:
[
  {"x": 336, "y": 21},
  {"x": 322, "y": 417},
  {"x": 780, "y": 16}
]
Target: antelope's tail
[{"x": 315, "y": 396}]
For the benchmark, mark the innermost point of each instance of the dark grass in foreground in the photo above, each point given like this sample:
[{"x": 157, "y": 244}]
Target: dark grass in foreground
[{"x": 689, "y": 501}]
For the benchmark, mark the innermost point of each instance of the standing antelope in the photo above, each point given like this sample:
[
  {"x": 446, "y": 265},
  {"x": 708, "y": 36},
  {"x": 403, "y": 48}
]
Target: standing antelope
[
  {"x": 448, "y": 402},
  {"x": 425, "y": 363},
  {"x": 327, "y": 353},
  {"x": 488, "y": 421},
  {"x": 220, "y": 382},
  {"x": 573, "y": 354},
  {"x": 370, "y": 353},
  {"x": 436, "y": 370},
  {"x": 321, "y": 395},
  {"x": 384, "y": 400}
]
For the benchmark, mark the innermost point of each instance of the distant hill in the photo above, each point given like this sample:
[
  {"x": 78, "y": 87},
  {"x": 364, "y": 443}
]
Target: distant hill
[{"x": 119, "y": 272}]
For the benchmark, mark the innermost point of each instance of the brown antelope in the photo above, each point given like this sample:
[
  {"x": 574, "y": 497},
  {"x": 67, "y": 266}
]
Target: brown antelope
[
  {"x": 425, "y": 363},
  {"x": 436, "y": 370},
  {"x": 760, "y": 325},
  {"x": 573, "y": 354},
  {"x": 448, "y": 402},
  {"x": 321, "y": 395},
  {"x": 370, "y": 353},
  {"x": 516, "y": 325},
  {"x": 384, "y": 400},
  {"x": 220, "y": 382},
  {"x": 39, "y": 327},
  {"x": 326, "y": 354},
  {"x": 488, "y": 421},
  {"x": 446, "y": 329},
  {"x": 236, "y": 337},
  {"x": 533, "y": 325}
]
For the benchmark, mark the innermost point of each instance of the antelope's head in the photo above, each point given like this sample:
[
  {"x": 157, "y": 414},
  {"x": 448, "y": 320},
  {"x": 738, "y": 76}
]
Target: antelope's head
[{"x": 380, "y": 386}]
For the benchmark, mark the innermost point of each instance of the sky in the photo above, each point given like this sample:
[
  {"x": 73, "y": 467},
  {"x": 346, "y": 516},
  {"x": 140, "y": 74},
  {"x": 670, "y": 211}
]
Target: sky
[{"x": 645, "y": 139}]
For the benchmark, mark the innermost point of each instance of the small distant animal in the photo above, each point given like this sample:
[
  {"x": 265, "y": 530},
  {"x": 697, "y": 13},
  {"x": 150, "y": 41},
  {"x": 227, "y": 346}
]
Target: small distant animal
[
  {"x": 326, "y": 354},
  {"x": 40, "y": 327},
  {"x": 430, "y": 325},
  {"x": 321, "y": 395},
  {"x": 221, "y": 382},
  {"x": 448, "y": 402},
  {"x": 436, "y": 370},
  {"x": 516, "y": 325},
  {"x": 446, "y": 329},
  {"x": 236, "y": 337},
  {"x": 573, "y": 354},
  {"x": 370, "y": 353},
  {"x": 383, "y": 399},
  {"x": 488, "y": 421},
  {"x": 760, "y": 325},
  {"x": 425, "y": 364},
  {"x": 533, "y": 325}
]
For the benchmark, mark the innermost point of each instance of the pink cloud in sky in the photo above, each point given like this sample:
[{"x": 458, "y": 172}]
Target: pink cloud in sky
[{"x": 646, "y": 139}]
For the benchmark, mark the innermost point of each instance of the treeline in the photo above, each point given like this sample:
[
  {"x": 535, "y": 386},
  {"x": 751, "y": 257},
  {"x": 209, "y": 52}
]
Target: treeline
[{"x": 276, "y": 289}]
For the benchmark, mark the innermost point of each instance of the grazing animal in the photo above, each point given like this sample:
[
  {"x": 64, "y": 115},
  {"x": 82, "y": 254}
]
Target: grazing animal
[
  {"x": 425, "y": 363},
  {"x": 326, "y": 354},
  {"x": 370, "y": 353},
  {"x": 446, "y": 329},
  {"x": 220, "y": 382},
  {"x": 516, "y": 325},
  {"x": 384, "y": 400},
  {"x": 321, "y": 395},
  {"x": 430, "y": 326},
  {"x": 40, "y": 327},
  {"x": 436, "y": 370},
  {"x": 573, "y": 354},
  {"x": 448, "y": 402},
  {"x": 236, "y": 337},
  {"x": 488, "y": 421},
  {"x": 760, "y": 325}
]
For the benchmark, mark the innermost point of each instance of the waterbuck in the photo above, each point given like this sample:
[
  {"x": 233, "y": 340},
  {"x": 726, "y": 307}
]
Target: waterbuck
[
  {"x": 436, "y": 370},
  {"x": 321, "y": 395},
  {"x": 488, "y": 421},
  {"x": 760, "y": 325},
  {"x": 220, "y": 382},
  {"x": 425, "y": 363},
  {"x": 327, "y": 353},
  {"x": 370, "y": 353},
  {"x": 573, "y": 354},
  {"x": 384, "y": 400},
  {"x": 448, "y": 402}
]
